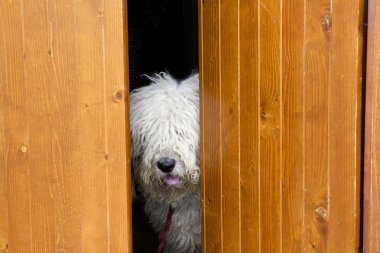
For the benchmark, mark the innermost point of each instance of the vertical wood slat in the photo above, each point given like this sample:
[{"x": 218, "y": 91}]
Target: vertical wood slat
[
  {"x": 249, "y": 125},
  {"x": 63, "y": 75},
  {"x": 39, "y": 78},
  {"x": 230, "y": 115},
  {"x": 3, "y": 201},
  {"x": 120, "y": 212},
  {"x": 296, "y": 102},
  {"x": 316, "y": 82},
  {"x": 345, "y": 113},
  {"x": 91, "y": 76},
  {"x": 293, "y": 129},
  {"x": 270, "y": 124},
  {"x": 211, "y": 163},
  {"x": 211, "y": 131},
  {"x": 371, "y": 224},
  {"x": 15, "y": 117}
]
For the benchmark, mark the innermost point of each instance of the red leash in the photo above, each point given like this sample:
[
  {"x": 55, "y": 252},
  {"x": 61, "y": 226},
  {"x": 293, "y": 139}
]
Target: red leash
[{"x": 166, "y": 230}]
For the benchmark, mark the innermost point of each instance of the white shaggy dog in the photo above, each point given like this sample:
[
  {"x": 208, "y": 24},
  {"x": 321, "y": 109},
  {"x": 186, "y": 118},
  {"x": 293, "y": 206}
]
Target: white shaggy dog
[{"x": 165, "y": 156}]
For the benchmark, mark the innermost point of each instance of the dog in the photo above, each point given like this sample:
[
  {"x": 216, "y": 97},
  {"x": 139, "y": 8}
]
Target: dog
[{"x": 164, "y": 123}]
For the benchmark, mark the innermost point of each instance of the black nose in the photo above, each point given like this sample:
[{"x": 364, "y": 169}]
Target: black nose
[{"x": 166, "y": 164}]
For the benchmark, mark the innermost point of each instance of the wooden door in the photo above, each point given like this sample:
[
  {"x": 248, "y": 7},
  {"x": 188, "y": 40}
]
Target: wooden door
[
  {"x": 281, "y": 108},
  {"x": 64, "y": 151}
]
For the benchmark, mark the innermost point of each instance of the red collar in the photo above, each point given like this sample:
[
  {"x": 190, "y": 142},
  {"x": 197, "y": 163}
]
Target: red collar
[{"x": 166, "y": 230}]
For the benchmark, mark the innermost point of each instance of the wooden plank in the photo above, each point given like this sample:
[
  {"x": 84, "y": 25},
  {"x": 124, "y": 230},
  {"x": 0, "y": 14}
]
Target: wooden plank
[
  {"x": 211, "y": 129},
  {"x": 65, "y": 125},
  {"x": 249, "y": 126},
  {"x": 293, "y": 128},
  {"x": 345, "y": 125},
  {"x": 230, "y": 123},
  {"x": 270, "y": 124},
  {"x": 93, "y": 119},
  {"x": 16, "y": 134},
  {"x": 117, "y": 99},
  {"x": 64, "y": 175},
  {"x": 371, "y": 231},
  {"x": 316, "y": 168},
  {"x": 38, "y": 79},
  {"x": 3, "y": 198}
]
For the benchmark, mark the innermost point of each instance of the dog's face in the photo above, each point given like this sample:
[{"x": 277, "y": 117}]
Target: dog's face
[{"x": 165, "y": 137}]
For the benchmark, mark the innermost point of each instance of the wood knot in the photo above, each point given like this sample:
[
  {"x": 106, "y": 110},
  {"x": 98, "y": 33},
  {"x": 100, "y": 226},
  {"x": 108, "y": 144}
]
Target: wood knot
[
  {"x": 24, "y": 149},
  {"x": 326, "y": 21},
  {"x": 119, "y": 96},
  {"x": 263, "y": 115},
  {"x": 6, "y": 246},
  {"x": 321, "y": 215}
]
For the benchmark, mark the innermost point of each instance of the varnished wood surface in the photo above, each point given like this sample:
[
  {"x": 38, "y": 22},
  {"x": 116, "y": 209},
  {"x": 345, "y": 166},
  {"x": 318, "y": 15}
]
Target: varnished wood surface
[
  {"x": 344, "y": 131},
  {"x": 317, "y": 39},
  {"x": 211, "y": 129},
  {"x": 281, "y": 123},
  {"x": 372, "y": 134},
  {"x": 3, "y": 200},
  {"x": 293, "y": 129},
  {"x": 63, "y": 124}
]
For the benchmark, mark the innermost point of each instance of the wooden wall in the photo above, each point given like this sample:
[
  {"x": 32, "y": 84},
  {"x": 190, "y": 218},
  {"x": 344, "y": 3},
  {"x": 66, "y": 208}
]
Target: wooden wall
[
  {"x": 281, "y": 125},
  {"x": 372, "y": 134},
  {"x": 64, "y": 182}
]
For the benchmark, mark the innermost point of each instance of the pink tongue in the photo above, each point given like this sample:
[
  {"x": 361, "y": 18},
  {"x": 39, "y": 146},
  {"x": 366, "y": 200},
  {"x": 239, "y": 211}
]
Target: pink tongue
[{"x": 171, "y": 180}]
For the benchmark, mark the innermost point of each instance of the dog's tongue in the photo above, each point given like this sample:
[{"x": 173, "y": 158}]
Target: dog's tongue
[{"x": 171, "y": 180}]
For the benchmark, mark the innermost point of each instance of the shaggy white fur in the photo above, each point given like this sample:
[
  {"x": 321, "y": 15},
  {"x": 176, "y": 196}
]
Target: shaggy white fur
[{"x": 165, "y": 125}]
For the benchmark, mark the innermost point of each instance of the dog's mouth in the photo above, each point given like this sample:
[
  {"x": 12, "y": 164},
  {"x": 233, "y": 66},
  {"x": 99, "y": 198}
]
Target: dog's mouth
[{"x": 172, "y": 180}]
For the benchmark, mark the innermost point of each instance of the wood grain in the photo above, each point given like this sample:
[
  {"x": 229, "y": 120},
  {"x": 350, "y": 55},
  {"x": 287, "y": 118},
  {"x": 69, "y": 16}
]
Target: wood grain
[
  {"x": 280, "y": 125},
  {"x": 16, "y": 122},
  {"x": 65, "y": 128},
  {"x": 371, "y": 224},
  {"x": 345, "y": 107},
  {"x": 230, "y": 115},
  {"x": 93, "y": 118},
  {"x": 249, "y": 126},
  {"x": 3, "y": 197},
  {"x": 211, "y": 146},
  {"x": 38, "y": 79},
  {"x": 117, "y": 90},
  {"x": 316, "y": 164},
  {"x": 293, "y": 129},
  {"x": 270, "y": 124}
]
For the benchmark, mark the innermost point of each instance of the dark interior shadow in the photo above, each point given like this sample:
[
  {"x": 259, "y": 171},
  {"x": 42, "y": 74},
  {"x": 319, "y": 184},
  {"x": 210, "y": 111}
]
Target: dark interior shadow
[{"x": 163, "y": 36}]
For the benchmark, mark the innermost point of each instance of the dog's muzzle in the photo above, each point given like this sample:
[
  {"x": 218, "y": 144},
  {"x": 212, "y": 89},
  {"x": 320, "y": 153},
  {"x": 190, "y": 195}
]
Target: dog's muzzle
[{"x": 166, "y": 164}]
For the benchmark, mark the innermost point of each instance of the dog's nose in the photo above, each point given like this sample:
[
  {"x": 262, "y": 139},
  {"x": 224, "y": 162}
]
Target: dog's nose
[{"x": 166, "y": 164}]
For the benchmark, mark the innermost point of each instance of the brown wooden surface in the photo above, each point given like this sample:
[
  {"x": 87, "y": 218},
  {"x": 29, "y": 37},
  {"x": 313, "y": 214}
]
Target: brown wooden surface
[
  {"x": 65, "y": 156},
  {"x": 344, "y": 128},
  {"x": 249, "y": 125},
  {"x": 3, "y": 200},
  {"x": 211, "y": 129},
  {"x": 372, "y": 134},
  {"x": 315, "y": 125},
  {"x": 270, "y": 125},
  {"x": 229, "y": 113},
  {"x": 280, "y": 123},
  {"x": 293, "y": 129}
]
